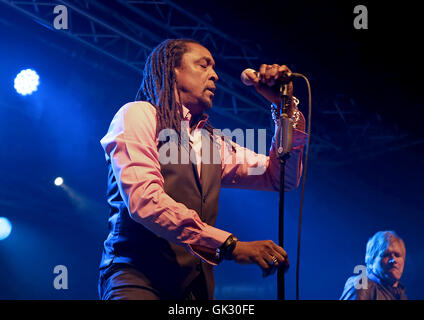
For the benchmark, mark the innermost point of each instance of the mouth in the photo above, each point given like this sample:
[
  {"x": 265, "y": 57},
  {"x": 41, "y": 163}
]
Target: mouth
[
  {"x": 393, "y": 269},
  {"x": 211, "y": 90}
]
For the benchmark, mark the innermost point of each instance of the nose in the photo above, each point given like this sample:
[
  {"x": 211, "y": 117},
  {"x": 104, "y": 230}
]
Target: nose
[
  {"x": 214, "y": 76},
  {"x": 392, "y": 259}
]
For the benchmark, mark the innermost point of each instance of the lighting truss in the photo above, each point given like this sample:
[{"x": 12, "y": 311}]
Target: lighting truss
[{"x": 126, "y": 31}]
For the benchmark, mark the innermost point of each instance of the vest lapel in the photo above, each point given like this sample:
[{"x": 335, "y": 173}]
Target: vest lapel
[
  {"x": 208, "y": 166},
  {"x": 196, "y": 175}
]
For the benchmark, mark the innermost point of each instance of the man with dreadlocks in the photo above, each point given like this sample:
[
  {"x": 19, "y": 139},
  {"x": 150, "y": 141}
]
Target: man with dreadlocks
[{"x": 162, "y": 243}]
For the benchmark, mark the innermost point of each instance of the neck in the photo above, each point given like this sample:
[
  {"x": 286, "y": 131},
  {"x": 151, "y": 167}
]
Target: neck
[
  {"x": 387, "y": 281},
  {"x": 195, "y": 119}
]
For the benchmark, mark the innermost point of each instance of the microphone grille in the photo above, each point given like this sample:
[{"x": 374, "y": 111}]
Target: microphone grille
[{"x": 245, "y": 79}]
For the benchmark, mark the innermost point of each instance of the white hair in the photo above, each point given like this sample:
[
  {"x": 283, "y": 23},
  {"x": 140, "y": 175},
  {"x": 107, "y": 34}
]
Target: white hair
[{"x": 379, "y": 243}]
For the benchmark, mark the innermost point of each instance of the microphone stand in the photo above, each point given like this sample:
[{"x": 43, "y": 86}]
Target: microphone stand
[{"x": 283, "y": 144}]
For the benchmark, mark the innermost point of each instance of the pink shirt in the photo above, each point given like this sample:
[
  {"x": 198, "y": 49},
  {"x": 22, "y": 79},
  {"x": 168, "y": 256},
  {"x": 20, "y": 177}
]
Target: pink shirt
[{"x": 131, "y": 145}]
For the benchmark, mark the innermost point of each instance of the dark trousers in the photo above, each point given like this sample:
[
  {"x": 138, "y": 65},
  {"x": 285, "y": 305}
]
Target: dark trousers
[{"x": 124, "y": 282}]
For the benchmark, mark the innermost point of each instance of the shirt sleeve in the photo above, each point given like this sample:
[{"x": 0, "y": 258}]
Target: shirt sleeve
[
  {"x": 131, "y": 145},
  {"x": 243, "y": 168}
]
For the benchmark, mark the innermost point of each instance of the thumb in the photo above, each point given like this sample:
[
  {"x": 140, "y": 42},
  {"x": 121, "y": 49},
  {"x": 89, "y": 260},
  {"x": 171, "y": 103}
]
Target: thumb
[{"x": 251, "y": 77}]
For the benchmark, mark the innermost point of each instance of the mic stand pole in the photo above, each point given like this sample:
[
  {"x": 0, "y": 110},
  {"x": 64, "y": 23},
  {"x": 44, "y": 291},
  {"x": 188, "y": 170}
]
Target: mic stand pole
[{"x": 284, "y": 144}]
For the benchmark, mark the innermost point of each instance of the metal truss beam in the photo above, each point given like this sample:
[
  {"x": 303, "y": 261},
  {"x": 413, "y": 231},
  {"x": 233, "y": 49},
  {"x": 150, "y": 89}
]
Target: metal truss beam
[
  {"x": 126, "y": 31},
  {"x": 129, "y": 42}
]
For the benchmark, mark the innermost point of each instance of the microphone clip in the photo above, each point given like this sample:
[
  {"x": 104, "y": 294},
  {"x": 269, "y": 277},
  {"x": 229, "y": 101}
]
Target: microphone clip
[{"x": 285, "y": 124}]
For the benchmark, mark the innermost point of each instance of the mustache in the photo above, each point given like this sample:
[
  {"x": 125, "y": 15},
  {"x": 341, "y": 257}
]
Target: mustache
[{"x": 390, "y": 267}]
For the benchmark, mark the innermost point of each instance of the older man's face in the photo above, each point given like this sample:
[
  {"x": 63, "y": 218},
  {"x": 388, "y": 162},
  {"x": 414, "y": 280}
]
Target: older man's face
[
  {"x": 196, "y": 78},
  {"x": 389, "y": 265}
]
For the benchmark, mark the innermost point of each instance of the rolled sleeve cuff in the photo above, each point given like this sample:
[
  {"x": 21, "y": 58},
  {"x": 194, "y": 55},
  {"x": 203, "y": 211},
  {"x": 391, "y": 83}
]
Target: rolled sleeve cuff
[{"x": 212, "y": 238}]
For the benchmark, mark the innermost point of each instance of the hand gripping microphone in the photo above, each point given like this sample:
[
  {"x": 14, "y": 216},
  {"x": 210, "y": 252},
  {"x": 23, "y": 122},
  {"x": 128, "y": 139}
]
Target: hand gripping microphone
[
  {"x": 284, "y": 133},
  {"x": 288, "y": 76}
]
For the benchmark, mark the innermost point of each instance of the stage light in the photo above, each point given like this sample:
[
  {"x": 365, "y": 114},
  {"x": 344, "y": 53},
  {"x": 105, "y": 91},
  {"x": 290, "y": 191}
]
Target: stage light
[
  {"x": 5, "y": 228},
  {"x": 26, "y": 82},
  {"x": 58, "y": 181}
]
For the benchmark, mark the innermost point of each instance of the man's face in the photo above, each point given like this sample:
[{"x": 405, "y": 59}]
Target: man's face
[
  {"x": 196, "y": 79},
  {"x": 389, "y": 265}
]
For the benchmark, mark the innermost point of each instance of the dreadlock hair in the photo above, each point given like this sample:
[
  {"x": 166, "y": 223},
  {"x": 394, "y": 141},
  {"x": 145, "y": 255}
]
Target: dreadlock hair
[{"x": 159, "y": 82}]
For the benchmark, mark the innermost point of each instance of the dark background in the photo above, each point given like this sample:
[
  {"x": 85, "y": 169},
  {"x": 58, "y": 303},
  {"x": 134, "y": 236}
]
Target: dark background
[{"x": 56, "y": 132}]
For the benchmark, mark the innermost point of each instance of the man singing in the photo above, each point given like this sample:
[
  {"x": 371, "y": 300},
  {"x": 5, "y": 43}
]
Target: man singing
[{"x": 162, "y": 243}]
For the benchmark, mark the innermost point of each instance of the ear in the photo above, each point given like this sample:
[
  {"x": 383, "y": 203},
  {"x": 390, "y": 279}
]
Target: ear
[
  {"x": 177, "y": 71},
  {"x": 177, "y": 74}
]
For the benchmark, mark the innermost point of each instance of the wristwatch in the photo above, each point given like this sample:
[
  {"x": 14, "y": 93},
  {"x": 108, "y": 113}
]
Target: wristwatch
[{"x": 226, "y": 250}]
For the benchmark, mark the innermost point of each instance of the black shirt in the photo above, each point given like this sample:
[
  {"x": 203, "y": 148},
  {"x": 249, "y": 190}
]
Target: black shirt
[{"x": 375, "y": 290}]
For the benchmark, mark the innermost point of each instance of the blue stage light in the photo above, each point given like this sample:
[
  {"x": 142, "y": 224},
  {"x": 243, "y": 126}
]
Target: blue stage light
[
  {"x": 26, "y": 82},
  {"x": 5, "y": 228}
]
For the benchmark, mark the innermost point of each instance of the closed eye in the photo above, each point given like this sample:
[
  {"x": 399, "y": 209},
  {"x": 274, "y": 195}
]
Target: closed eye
[{"x": 205, "y": 62}]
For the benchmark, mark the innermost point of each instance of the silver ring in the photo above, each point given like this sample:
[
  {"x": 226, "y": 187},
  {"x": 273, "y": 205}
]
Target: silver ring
[{"x": 273, "y": 261}]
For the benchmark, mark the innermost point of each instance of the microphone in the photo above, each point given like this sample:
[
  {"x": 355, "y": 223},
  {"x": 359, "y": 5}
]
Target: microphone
[
  {"x": 285, "y": 126},
  {"x": 288, "y": 76}
]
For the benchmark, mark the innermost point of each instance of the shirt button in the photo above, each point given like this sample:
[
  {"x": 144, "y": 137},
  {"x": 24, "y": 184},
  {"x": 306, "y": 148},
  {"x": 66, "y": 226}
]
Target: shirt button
[
  {"x": 204, "y": 199},
  {"x": 198, "y": 267}
]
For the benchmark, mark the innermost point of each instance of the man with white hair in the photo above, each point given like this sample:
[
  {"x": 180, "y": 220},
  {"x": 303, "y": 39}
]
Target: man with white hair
[{"x": 385, "y": 260}]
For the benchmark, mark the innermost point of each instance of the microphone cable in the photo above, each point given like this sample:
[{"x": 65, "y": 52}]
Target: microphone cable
[
  {"x": 248, "y": 82},
  {"x": 303, "y": 182}
]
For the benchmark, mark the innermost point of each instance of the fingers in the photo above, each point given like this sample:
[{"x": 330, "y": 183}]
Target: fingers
[
  {"x": 275, "y": 262},
  {"x": 266, "y": 254},
  {"x": 263, "y": 263},
  {"x": 262, "y": 72},
  {"x": 280, "y": 251},
  {"x": 269, "y": 74},
  {"x": 252, "y": 76},
  {"x": 275, "y": 257}
]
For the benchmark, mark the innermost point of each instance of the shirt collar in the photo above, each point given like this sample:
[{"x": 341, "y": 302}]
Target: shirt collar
[
  {"x": 186, "y": 113},
  {"x": 376, "y": 279},
  {"x": 187, "y": 117}
]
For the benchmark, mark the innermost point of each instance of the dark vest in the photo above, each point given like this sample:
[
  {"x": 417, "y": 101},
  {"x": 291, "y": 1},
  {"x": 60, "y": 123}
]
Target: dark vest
[{"x": 167, "y": 267}]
